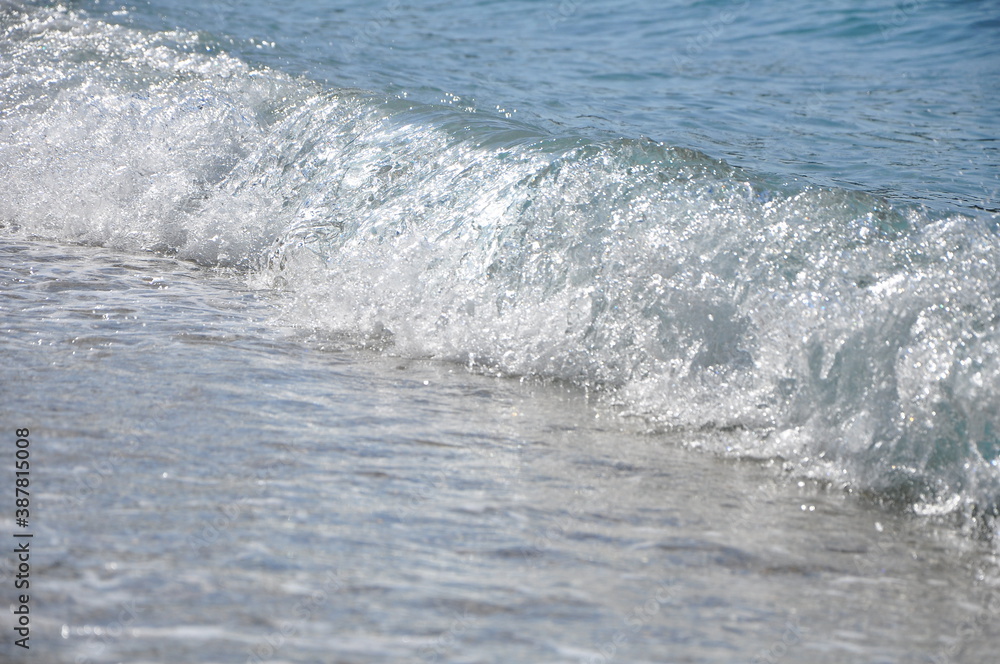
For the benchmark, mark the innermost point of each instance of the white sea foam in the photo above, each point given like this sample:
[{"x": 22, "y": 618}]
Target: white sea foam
[{"x": 857, "y": 340}]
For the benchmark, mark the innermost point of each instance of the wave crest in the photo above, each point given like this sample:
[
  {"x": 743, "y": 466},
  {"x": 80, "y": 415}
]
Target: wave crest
[{"x": 856, "y": 339}]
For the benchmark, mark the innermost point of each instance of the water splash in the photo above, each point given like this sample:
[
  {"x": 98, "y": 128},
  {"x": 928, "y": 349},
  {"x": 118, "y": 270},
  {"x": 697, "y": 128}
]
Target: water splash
[{"x": 855, "y": 339}]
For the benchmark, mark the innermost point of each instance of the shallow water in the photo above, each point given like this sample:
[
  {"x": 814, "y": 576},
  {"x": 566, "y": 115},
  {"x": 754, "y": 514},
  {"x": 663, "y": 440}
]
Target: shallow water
[
  {"x": 456, "y": 365},
  {"x": 210, "y": 488}
]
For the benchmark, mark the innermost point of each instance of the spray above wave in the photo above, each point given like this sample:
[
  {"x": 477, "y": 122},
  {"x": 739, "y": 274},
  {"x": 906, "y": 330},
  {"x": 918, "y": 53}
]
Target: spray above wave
[{"x": 856, "y": 339}]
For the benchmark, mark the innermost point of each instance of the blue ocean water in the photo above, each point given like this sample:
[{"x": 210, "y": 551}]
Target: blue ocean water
[
  {"x": 767, "y": 231},
  {"x": 898, "y": 98}
]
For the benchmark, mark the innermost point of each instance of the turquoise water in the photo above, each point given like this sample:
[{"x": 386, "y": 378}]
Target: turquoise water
[
  {"x": 895, "y": 98},
  {"x": 530, "y": 331}
]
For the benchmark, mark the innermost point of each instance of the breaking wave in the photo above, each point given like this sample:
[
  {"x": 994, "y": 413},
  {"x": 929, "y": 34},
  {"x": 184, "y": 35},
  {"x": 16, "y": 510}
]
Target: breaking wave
[{"x": 854, "y": 338}]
